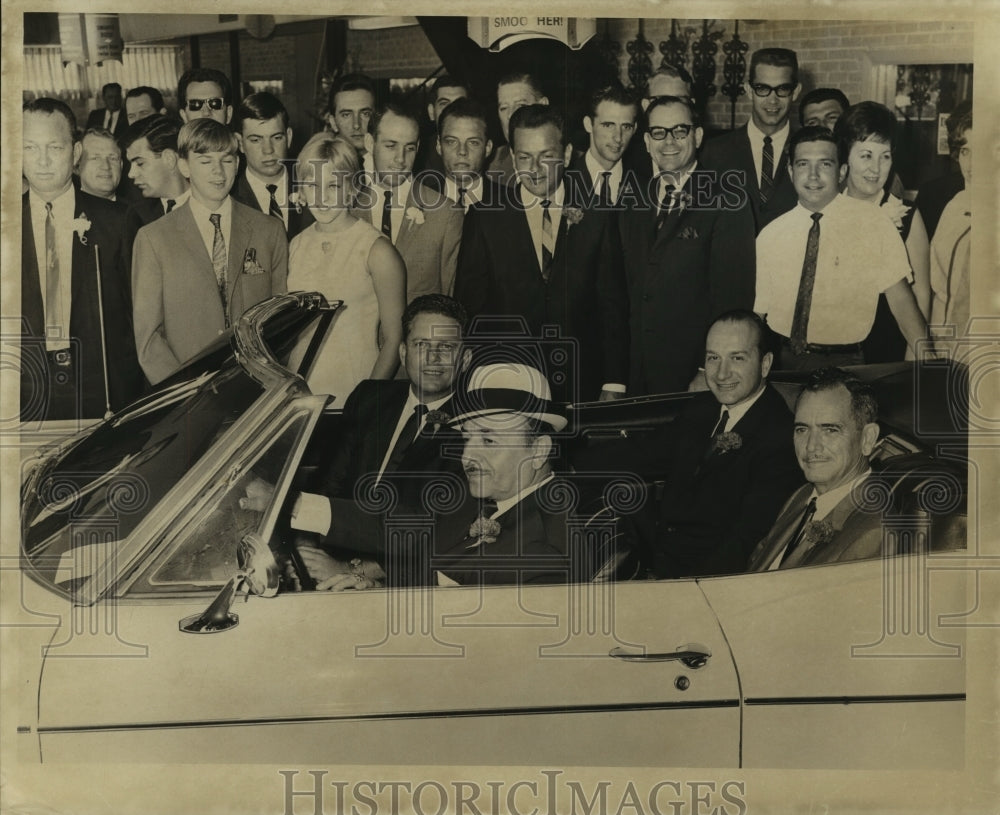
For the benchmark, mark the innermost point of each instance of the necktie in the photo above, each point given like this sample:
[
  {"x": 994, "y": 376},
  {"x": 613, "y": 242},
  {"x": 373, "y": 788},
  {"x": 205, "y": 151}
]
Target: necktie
[
  {"x": 171, "y": 203},
  {"x": 605, "y": 196},
  {"x": 548, "y": 240},
  {"x": 220, "y": 261},
  {"x": 461, "y": 197},
  {"x": 272, "y": 206},
  {"x": 803, "y": 301},
  {"x": 720, "y": 426},
  {"x": 406, "y": 437},
  {"x": 800, "y": 530},
  {"x": 387, "y": 215},
  {"x": 766, "y": 170},
  {"x": 666, "y": 205},
  {"x": 53, "y": 299}
]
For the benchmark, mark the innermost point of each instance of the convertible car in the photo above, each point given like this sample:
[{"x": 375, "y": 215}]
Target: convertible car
[{"x": 158, "y": 622}]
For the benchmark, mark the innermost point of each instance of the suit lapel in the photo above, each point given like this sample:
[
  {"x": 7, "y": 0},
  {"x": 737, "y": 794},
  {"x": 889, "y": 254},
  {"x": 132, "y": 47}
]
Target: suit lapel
[
  {"x": 674, "y": 220},
  {"x": 240, "y": 240},
  {"x": 32, "y": 308},
  {"x": 784, "y": 527},
  {"x": 525, "y": 237},
  {"x": 407, "y": 225}
]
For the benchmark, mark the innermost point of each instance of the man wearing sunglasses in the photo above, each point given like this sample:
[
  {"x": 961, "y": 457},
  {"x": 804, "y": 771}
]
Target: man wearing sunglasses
[
  {"x": 204, "y": 93},
  {"x": 758, "y": 150}
]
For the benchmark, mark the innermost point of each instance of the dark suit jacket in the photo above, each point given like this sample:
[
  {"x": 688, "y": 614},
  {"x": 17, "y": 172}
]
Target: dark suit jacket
[
  {"x": 585, "y": 295},
  {"x": 700, "y": 263},
  {"x": 125, "y": 381},
  {"x": 532, "y": 546},
  {"x": 298, "y": 219},
  {"x": 731, "y": 151},
  {"x": 96, "y": 119},
  {"x": 636, "y": 176}
]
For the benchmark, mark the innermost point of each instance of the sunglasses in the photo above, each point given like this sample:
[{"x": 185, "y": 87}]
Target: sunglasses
[
  {"x": 215, "y": 103},
  {"x": 679, "y": 132},
  {"x": 782, "y": 91}
]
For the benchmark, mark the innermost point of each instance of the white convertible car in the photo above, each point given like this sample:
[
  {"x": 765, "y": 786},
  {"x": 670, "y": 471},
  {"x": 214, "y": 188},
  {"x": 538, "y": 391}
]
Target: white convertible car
[{"x": 154, "y": 626}]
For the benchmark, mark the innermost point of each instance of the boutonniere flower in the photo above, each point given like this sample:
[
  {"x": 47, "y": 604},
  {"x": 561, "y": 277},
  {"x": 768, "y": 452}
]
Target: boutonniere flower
[
  {"x": 484, "y": 530},
  {"x": 688, "y": 233},
  {"x": 818, "y": 533},
  {"x": 80, "y": 226},
  {"x": 416, "y": 215},
  {"x": 896, "y": 210},
  {"x": 725, "y": 442},
  {"x": 436, "y": 418},
  {"x": 573, "y": 215},
  {"x": 297, "y": 201}
]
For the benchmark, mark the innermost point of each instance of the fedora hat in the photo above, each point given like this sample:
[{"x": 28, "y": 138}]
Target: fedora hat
[{"x": 504, "y": 388}]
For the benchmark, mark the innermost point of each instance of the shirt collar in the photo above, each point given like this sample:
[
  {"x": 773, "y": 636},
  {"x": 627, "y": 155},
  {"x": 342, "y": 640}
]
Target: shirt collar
[
  {"x": 507, "y": 503},
  {"x": 679, "y": 181},
  {"x": 739, "y": 410},
  {"x": 200, "y": 211},
  {"x": 529, "y": 199},
  {"x": 63, "y": 205},
  {"x": 596, "y": 170},
  {"x": 757, "y": 135},
  {"x": 400, "y": 193},
  {"x": 259, "y": 185},
  {"x": 828, "y": 500},
  {"x": 180, "y": 199},
  {"x": 473, "y": 192},
  {"x": 412, "y": 401}
]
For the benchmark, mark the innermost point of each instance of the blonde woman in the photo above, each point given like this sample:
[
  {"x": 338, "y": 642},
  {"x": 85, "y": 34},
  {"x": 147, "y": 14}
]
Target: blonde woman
[{"x": 346, "y": 259}]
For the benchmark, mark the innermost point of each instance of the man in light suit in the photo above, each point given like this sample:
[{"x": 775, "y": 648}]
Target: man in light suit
[
  {"x": 730, "y": 446},
  {"x": 198, "y": 268},
  {"x": 825, "y": 521},
  {"x": 758, "y": 151},
  {"x": 111, "y": 117},
  {"x": 547, "y": 260},
  {"x": 77, "y": 353},
  {"x": 688, "y": 253},
  {"x": 421, "y": 222}
]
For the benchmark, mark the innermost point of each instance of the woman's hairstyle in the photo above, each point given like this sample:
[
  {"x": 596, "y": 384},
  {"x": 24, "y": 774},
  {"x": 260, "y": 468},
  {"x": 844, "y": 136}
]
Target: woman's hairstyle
[
  {"x": 958, "y": 124},
  {"x": 325, "y": 148},
  {"x": 863, "y": 121}
]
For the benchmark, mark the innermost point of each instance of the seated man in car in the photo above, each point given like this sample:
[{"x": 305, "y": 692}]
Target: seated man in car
[{"x": 825, "y": 521}]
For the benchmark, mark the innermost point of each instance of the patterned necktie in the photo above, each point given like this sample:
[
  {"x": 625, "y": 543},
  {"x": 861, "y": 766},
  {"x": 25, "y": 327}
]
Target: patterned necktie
[
  {"x": 605, "y": 196},
  {"x": 406, "y": 437},
  {"x": 387, "y": 215},
  {"x": 548, "y": 240},
  {"x": 666, "y": 205},
  {"x": 803, "y": 301},
  {"x": 171, "y": 203},
  {"x": 272, "y": 206},
  {"x": 220, "y": 262},
  {"x": 53, "y": 299},
  {"x": 766, "y": 170},
  {"x": 800, "y": 530}
]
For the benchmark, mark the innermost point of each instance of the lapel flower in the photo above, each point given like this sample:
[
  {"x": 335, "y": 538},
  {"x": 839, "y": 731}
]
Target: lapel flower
[
  {"x": 817, "y": 533},
  {"x": 436, "y": 418},
  {"x": 416, "y": 215},
  {"x": 297, "y": 201},
  {"x": 688, "y": 233},
  {"x": 725, "y": 442},
  {"x": 573, "y": 215},
  {"x": 896, "y": 210},
  {"x": 484, "y": 530},
  {"x": 80, "y": 226}
]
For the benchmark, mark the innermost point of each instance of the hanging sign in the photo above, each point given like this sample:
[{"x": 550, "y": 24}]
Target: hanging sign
[
  {"x": 497, "y": 33},
  {"x": 89, "y": 39}
]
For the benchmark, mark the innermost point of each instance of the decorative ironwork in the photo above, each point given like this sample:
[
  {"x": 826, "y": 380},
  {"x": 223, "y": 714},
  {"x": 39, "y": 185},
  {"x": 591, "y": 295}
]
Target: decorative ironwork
[
  {"x": 734, "y": 70},
  {"x": 610, "y": 50},
  {"x": 704, "y": 50},
  {"x": 675, "y": 47},
  {"x": 920, "y": 87},
  {"x": 640, "y": 66}
]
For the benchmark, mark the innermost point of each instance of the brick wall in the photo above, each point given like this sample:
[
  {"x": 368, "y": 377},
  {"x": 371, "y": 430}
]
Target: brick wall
[
  {"x": 831, "y": 53},
  {"x": 392, "y": 52}
]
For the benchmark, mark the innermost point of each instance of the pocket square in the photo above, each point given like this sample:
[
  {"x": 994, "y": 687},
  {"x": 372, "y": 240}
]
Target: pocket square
[
  {"x": 688, "y": 233},
  {"x": 250, "y": 264}
]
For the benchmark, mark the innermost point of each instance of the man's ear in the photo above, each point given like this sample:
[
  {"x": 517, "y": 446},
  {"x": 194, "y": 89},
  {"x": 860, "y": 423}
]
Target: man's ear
[
  {"x": 843, "y": 173},
  {"x": 437, "y": 143},
  {"x": 541, "y": 449},
  {"x": 430, "y": 111},
  {"x": 173, "y": 159},
  {"x": 402, "y": 353},
  {"x": 765, "y": 364},
  {"x": 588, "y": 124},
  {"x": 568, "y": 154},
  {"x": 182, "y": 166},
  {"x": 869, "y": 436},
  {"x": 489, "y": 148},
  {"x": 288, "y": 137},
  {"x": 229, "y": 113},
  {"x": 369, "y": 143},
  {"x": 331, "y": 122},
  {"x": 797, "y": 91},
  {"x": 239, "y": 142},
  {"x": 699, "y": 134},
  {"x": 77, "y": 152},
  {"x": 465, "y": 359}
]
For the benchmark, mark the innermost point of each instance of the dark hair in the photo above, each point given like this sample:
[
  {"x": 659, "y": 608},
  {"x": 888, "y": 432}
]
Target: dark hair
[
  {"x": 615, "y": 94},
  {"x": 47, "y": 104},
  {"x": 863, "y": 121},
  {"x": 206, "y": 136},
  {"x": 434, "y": 304},
  {"x": 530, "y": 117},
  {"x": 204, "y": 75},
  {"x": 516, "y": 77},
  {"x": 397, "y": 109},
  {"x": 114, "y": 86},
  {"x": 777, "y": 57},
  {"x": 159, "y": 130},
  {"x": 260, "y": 107},
  {"x": 446, "y": 81},
  {"x": 808, "y": 134},
  {"x": 464, "y": 108},
  {"x": 765, "y": 338},
  {"x": 155, "y": 97},
  {"x": 819, "y": 95},
  {"x": 663, "y": 101},
  {"x": 958, "y": 123},
  {"x": 864, "y": 405},
  {"x": 349, "y": 82}
]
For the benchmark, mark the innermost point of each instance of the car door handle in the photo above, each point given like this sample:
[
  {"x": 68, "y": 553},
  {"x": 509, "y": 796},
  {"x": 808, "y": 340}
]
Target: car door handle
[{"x": 694, "y": 655}]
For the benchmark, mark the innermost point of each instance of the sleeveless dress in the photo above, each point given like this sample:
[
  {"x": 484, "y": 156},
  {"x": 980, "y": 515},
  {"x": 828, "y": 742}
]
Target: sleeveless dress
[{"x": 337, "y": 266}]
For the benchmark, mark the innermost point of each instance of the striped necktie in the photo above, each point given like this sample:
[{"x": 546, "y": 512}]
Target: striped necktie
[
  {"x": 548, "y": 240},
  {"x": 766, "y": 170},
  {"x": 272, "y": 206},
  {"x": 220, "y": 262}
]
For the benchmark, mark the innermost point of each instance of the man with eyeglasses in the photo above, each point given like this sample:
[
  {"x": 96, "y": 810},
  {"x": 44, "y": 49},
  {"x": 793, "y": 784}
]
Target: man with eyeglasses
[
  {"x": 688, "y": 253},
  {"x": 204, "y": 93},
  {"x": 758, "y": 150}
]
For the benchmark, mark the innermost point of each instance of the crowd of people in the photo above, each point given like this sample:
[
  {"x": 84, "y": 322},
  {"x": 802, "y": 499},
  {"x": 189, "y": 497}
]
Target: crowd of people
[{"x": 146, "y": 237}]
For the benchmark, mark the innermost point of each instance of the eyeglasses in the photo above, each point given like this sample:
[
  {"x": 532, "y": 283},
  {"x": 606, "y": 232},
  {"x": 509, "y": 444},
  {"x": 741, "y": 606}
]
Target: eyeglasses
[
  {"x": 679, "y": 132},
  {"x": 782, "y": 91},
  {"x": 215, "y": 103}
]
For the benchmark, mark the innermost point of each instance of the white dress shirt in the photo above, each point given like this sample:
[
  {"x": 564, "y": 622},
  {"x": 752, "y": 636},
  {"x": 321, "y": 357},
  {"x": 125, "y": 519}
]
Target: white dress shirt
[
  {"x": 259, "y": 188},
  {"x": 533, "y": 212},
  {"x": 397, "y": 207},
  {"x": 739, "y": 410},
  {"x": 596, "y": 172},
  {"x": 473, "y": 192},
  {"x": 56, "y": 335},
  {"x": 757, "y": 147},
  {"x": 201, "y": 215}
]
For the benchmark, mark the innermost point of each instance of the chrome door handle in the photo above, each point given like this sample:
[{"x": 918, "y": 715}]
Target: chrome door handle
[{"x": 694, "y": 655}]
